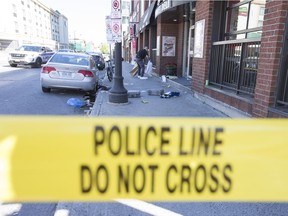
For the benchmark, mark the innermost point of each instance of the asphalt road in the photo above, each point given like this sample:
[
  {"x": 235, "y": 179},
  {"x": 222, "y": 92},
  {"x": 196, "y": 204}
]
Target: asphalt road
[{"x": 21, "y": 94}]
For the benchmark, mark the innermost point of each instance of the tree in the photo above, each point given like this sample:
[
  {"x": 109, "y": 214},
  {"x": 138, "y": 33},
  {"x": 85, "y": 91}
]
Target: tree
[{"x": 104, "y": 48}]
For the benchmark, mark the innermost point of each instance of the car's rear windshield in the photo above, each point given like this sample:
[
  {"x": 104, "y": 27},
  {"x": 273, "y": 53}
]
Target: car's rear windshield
[{"x": 70, "y": 59}]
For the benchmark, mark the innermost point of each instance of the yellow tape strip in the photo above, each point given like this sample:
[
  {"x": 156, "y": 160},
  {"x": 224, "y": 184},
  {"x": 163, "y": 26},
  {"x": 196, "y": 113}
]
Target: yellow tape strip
[{"x": 156, "y": 159}]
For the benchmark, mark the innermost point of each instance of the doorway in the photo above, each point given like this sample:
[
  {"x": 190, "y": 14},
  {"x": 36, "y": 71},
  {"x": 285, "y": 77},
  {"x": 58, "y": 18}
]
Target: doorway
[{"x": 190, "y": 51}]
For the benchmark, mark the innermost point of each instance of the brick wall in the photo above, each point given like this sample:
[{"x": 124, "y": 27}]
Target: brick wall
[
  {"x": 270, "y": 52},
  {"x": 200, "y": 70},
  {"x": 165, "y": 29}
]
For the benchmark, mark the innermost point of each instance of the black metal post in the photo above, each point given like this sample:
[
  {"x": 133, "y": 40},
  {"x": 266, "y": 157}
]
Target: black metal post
[{"x": 118, "y": 94}]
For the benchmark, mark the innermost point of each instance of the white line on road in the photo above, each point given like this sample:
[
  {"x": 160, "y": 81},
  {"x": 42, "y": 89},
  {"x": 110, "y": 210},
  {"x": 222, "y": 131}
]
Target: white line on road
[
  {"x": 147, "y": 207},
  {"x": 9, "y": 209},
  {"x": 61, "y": 212}
]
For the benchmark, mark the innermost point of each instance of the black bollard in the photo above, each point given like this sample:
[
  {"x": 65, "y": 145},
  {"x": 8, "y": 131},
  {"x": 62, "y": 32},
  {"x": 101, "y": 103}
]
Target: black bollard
[{"x": 118, "y": 94}]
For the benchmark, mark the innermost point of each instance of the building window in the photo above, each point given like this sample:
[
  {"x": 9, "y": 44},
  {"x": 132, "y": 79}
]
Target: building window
[
  {"x": 16, "y": 27},
  {"x": 25, "y": 29},
  {"x": 24, "y": 15},
  {"x": 244, "y": 19},
  {"x": 14, "y": 10},
  {"x": 234, "y": 59}
]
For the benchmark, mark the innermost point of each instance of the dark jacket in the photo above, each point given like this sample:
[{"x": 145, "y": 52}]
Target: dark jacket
[{"x": 142, "y": 53}]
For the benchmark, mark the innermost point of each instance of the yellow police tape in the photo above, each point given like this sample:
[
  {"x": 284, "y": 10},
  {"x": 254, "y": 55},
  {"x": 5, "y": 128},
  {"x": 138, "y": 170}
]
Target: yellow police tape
[{"x": 156, "y": 159}]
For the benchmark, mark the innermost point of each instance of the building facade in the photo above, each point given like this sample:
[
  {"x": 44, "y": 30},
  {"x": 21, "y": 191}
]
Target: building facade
[
  {"x": 30, "y": 21},
  {"x": 232, "y": 51}
]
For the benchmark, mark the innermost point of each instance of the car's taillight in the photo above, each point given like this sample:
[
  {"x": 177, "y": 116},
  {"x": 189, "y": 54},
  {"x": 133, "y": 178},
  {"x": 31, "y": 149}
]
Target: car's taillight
[
  {"x": 86, "y": 73},
  {"x": 47, "y": 69}
]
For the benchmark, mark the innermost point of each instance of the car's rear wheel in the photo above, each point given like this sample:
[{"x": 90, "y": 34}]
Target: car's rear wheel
[
  {"x": 38, "y": 63},
  {"x": 13, "y": 65},
  {"x": 46, "y": 90},
  {"x": 95, "y": 89}
]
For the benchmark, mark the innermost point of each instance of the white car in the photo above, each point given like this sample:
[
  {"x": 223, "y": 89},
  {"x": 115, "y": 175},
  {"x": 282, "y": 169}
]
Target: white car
[
  {"x": 70, "y": 71},
  {"x": 33, "y": 55}
]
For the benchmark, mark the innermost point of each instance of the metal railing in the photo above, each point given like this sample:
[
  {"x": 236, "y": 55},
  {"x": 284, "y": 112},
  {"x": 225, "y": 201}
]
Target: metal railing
[
  {"x": 282, "y": 99},
  {"x": 234, "y": 65}
]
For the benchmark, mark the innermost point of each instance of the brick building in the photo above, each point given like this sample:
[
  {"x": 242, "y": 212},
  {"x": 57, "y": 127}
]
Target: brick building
[{"x": 233, "y": 51}]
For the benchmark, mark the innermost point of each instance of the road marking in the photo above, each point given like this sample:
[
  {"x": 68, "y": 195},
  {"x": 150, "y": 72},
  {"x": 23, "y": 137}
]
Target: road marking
[
  {"x": 9, "y": 209},
  {"x": 62, "y": 212},
  {"x": 147, "y": 207}
]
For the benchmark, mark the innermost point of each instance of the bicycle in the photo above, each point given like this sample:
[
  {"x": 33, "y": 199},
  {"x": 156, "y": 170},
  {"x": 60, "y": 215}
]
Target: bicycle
[{"x": 110, "y": 70}]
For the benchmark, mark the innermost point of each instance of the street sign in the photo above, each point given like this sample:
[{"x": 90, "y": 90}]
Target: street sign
[
  {"x": 116, "y": 9},
  {"x": 109, "y": 34},
  {"x": 162, "y": 159},
  {"x": 117, "y": 30}
]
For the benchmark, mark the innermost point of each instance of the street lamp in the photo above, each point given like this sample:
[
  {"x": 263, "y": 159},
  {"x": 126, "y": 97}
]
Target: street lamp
[{"x": 117, "y": 94}]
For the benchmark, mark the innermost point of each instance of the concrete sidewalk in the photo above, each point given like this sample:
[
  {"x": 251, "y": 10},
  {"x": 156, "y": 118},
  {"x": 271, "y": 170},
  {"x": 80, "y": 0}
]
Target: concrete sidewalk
[{"x": 188, "y": 104}]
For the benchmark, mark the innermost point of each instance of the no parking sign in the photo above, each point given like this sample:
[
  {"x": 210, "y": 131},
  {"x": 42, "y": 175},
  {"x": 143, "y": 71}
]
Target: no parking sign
[
  {"x": 116, "y": 30},
  {"x": 116, "y": 9},
  {"x": 116, "y": 22}
]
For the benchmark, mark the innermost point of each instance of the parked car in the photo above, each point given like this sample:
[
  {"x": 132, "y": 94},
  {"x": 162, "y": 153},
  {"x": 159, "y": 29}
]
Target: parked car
[
  {"x": 70, "y": 71},
  {"x": 33, "y": 55},
  {"x": 66, "y": 50},
  {"x": 99, "y": 59}
]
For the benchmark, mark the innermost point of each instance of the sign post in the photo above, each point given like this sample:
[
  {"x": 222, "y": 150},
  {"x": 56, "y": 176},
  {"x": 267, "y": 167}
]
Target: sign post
[{"x": 117, "y": 94}]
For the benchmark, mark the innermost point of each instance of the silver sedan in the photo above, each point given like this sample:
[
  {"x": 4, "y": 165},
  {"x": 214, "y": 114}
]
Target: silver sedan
[{"x": 70, "y": 71}]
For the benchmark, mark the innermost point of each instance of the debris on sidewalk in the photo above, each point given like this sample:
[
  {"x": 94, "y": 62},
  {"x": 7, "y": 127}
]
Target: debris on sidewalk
[
  {"x": 76, "y": 102},
  {"x": 144, "y": 101},
  {"x": 81, "y": 104},
  {"x": 134, "y": 94},
  {"x": 170, "y": 94},
  {"x": 163, "y": 78},
  {"x": 134, "y": 70},
  {"x": 142, "y": 78},
  {"x": 149, "y": 69},
  {"x": 155, "y": 92},
  {"x": 89, "y": 96},
  {"x": 171, "y": 77},
  {"x": 103, "y": 88}
]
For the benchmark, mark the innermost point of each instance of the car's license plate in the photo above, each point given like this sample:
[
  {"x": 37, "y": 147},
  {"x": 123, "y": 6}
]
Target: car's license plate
[{"x": 66, "y": 74}]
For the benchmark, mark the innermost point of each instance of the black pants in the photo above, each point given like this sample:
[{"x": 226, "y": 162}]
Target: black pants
[{"x": 141, "y": 66}]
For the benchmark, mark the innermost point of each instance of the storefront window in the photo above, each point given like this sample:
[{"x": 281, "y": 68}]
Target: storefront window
[
  {"x": 234, "y": 59},
  {"x": 244, "y": 19}
]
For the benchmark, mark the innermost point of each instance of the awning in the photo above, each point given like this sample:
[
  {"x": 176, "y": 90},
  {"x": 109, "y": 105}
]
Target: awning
[{"x": 145, "y": 20}]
